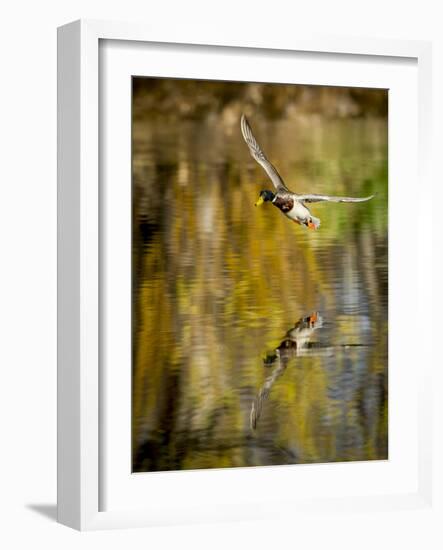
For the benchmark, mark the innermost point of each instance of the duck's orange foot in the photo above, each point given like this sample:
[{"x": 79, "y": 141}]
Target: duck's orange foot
[{"x": 313, "y": 318}]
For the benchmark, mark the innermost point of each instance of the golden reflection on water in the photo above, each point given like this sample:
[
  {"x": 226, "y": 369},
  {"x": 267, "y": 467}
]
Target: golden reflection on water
[{"x": 218, "y": 283}]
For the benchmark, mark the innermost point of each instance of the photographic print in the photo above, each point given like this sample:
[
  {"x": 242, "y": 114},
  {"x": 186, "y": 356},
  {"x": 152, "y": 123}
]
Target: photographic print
[{"x": 259, "y": 274}]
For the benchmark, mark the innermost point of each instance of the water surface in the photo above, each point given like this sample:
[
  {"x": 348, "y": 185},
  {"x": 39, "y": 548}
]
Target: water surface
[{"x": 218, "y": 283}]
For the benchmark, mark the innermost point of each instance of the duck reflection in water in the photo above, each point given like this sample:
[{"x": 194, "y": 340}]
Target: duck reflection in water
[{"x": 297, "y": 342}]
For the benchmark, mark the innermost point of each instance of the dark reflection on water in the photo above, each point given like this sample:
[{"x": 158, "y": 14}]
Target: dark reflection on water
[{"x": 217, "y": 283}]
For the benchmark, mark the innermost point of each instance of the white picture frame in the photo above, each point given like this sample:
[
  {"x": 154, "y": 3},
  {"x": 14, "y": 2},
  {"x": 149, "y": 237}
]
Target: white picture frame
[{"x": 80, "y": 367}]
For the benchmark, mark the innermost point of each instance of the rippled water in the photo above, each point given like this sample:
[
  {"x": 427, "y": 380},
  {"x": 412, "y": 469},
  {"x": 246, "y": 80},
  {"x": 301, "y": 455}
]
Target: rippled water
[{"x": 218, "y": 284}]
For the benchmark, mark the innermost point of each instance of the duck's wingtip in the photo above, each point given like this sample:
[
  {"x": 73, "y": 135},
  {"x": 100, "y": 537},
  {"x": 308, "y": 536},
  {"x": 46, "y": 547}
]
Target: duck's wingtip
[{"x": 245, "y": 128}]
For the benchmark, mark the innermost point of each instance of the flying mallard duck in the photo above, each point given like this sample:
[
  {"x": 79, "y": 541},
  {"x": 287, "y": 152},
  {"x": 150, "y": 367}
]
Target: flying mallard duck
[{"x": 291, "y": 204}]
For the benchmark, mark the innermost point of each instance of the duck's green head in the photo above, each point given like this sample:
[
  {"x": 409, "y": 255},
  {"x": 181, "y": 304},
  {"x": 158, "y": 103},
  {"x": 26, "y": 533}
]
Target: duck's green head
[{"x": 265, "y": 196}]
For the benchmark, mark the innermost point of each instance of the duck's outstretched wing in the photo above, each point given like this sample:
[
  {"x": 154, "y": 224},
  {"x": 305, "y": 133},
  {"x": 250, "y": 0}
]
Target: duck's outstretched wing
[
  {"x": 328, "y": 198},
  {"x": 257, "y": 404},
  {"x": 259, "y": 156}
]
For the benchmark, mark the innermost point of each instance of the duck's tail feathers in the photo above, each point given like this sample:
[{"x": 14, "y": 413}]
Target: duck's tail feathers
[{"x": 315, "y": 221}]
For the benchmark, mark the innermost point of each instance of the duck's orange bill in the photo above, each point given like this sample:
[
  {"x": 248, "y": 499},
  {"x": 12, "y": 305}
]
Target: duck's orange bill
[{"x": 312, "y": 225}]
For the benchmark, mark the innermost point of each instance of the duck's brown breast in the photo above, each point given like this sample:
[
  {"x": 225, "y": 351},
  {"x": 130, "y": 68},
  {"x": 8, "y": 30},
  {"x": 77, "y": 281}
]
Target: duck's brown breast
[{"x": 285, "y": 204}]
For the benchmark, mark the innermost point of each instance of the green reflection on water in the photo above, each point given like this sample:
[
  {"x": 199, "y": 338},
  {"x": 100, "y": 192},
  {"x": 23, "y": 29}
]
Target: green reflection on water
[{"x": 218, "y": 283}]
